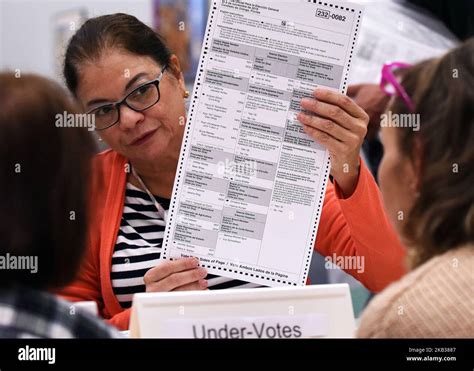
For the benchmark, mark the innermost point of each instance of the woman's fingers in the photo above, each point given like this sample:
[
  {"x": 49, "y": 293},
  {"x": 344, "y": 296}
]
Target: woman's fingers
[
  {"x": 178, "y": 275},
  {"x": 324, "y": 125},
  {"x": 340, "y": 125},
  {"x": 328, "y": 111},
  {"x": 338, "y": 116},
  {"x": 177, "y": 280},
  {"x": 344, "y": 140},
  {"x": 333, "y": 145},
  {"x": 340, "y": 100},
  {"x": 168, "y": 267}
]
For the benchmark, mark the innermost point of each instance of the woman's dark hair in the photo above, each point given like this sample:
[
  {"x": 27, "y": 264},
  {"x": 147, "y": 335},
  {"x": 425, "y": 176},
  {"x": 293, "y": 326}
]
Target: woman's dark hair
[
  {"x": 442, "y": 90},
  {"x": 111, "y": 31},
  {"x": 44, "y": 177}
]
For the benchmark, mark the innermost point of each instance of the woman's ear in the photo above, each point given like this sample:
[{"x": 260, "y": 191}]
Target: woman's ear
[{"x": 175, "y": 69}]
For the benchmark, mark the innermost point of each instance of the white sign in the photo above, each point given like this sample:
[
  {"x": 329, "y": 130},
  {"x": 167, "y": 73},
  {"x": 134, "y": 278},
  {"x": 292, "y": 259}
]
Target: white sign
[
  {"x": 275, "y": 313},
  {"x": 259, "y": 327}
]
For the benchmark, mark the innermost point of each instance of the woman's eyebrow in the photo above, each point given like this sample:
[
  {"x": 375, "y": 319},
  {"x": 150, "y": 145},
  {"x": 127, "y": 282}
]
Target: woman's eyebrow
[
  {"x": 134, "y": 80},
  {"x": 129, "y": 84}
]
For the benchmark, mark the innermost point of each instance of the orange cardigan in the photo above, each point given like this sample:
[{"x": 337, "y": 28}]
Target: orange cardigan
[{"x": 348, "y": 227}]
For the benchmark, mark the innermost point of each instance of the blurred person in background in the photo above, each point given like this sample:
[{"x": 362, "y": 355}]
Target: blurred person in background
[
  {"x": 427, "y": 178},
  {"x": 44, "y": 172}
]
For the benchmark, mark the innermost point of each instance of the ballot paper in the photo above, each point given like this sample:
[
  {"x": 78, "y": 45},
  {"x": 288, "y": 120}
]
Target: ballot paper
[{"x": 250, "y": 184}]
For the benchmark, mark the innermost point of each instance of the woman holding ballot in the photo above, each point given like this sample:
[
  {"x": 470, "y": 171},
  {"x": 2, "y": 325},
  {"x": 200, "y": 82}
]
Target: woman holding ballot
[{"x": 123, "y": 73}]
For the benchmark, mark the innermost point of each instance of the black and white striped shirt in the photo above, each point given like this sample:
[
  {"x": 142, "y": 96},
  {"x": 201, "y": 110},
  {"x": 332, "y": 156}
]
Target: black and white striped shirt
[{"x": 138, "y": 247}]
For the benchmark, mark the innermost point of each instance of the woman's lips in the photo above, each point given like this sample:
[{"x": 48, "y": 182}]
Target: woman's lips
[{"x": 144, "y": 138}]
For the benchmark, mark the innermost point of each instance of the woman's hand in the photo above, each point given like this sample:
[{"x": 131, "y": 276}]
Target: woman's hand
[
  {"x": 373, "y": 101},
  {"x": 340, "y": 125},
  {"x": 176, "y": 275}
]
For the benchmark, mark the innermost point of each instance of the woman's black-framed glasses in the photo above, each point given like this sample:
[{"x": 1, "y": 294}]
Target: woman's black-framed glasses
[{"x": 139, "y": 100}]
